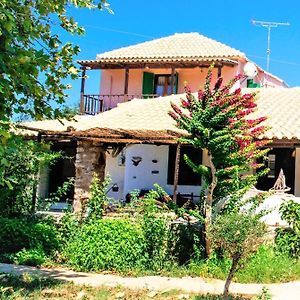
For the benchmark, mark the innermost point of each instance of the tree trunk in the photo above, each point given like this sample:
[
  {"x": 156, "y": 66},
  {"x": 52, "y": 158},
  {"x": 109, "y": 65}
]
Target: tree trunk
[
  {"x": 208, "y": 204},
  {"x": 230, "y": 276}
]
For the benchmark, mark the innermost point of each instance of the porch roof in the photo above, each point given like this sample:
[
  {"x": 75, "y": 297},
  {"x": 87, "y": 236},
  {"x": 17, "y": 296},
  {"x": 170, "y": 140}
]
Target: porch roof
[
  {"x": 182, "y": 49},
  {"x": 147, "y": 120}
]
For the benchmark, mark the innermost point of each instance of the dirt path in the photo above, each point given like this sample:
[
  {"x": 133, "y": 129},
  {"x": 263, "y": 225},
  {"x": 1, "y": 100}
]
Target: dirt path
[{"x": 283, "y": 291}]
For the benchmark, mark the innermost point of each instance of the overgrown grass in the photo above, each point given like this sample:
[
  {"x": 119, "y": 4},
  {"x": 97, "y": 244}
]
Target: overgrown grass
[
  {"x": 266, "y": 266},
  {"x": 30, "y": 287}
]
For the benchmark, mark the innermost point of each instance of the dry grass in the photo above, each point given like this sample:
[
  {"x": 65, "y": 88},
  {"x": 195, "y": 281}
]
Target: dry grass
[{"x": 30, "y": 287}]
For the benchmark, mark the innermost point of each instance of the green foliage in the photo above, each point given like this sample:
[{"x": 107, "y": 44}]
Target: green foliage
[
  {"x": 30, "y": 257},
  {"x": 288, "y": 239},
  {"x": 36, "y": 64},
  {"x": 215, "y": 121},
  {"x": 237, "y": 235},
  {"x": 107, "y": 245},
  {"x": 20, "y": 163},
  {"x": 264, "y": 295},
  {"x": 98, "y": 198},
  {"x": 34, "y": 58},
  {"x": 269, "y": 265},
  {"x": 61, "y": 193},
  {"x": 17, "y": 234},
  {"x": 156, "y": 232}
]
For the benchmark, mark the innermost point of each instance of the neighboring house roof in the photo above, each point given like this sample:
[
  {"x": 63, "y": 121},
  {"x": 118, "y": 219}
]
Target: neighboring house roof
[
  {"x": 180, "y": 47},
  {"x": 143, "y": 120}
]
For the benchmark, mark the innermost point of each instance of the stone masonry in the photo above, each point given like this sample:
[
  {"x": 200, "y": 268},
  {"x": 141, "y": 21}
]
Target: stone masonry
[{"x": 90, "y": 159}]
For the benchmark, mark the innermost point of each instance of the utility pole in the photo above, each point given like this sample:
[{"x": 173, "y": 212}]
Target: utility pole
[{"x": 269, "y": 25}]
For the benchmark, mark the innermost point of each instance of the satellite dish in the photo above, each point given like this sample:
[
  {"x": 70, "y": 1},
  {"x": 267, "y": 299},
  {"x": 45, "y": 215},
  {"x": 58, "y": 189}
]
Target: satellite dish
[{"x": 250, "y": 70}]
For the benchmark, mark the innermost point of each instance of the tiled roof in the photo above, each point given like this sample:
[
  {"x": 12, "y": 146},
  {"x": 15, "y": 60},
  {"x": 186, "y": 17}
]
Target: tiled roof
[
  {"x": 142, "y": 118},
  {"x": 177, "y": 47}
]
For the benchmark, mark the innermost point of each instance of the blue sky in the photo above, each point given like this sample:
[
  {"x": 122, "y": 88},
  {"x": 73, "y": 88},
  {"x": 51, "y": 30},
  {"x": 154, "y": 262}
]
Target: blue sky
[{"x": 229, "y": 22}]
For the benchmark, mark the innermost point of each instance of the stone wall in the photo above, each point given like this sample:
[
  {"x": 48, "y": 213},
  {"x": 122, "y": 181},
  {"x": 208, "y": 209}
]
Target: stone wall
[{"x": 90, "y": 159}]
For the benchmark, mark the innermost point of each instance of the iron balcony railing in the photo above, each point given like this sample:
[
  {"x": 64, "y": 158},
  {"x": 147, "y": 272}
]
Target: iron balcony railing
[{"x": 94, "y": 104}]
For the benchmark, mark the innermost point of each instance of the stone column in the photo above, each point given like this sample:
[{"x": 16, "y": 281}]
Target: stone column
[{"x": 90, "y": 159}]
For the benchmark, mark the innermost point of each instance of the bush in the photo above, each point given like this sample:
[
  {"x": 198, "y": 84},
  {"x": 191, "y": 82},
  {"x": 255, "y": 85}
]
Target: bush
[
  {"x": 107, "y": 244},
  {"x": 17, "y": 234},
  {"x": 288, "y": 239},
  {"x": 20, "y": 164},
  {"x": 238, "y": 236},
  {"x": 31, "y": 257}
]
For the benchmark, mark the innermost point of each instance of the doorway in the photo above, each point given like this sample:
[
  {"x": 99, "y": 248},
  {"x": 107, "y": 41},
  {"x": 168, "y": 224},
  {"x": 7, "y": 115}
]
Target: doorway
[{"x": 279, "y": 158}]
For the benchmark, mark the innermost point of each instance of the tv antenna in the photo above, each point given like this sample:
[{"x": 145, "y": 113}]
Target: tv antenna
[{"x": 269, "y": 25}]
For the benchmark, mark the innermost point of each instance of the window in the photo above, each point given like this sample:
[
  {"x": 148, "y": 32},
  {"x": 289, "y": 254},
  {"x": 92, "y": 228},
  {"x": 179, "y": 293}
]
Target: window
[
  {"x": 252, "y": 84},
  {"x": 159, "y": 84},
  {"x": 186, "y": 174},
  {"x": 271, "y": 165},
  {"x": 162, "y": 85}
]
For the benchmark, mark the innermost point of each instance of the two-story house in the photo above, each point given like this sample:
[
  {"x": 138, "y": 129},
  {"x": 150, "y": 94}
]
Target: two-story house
[
  {"x": 135, "y": 142},
  {"x": 162, "y": 67}
]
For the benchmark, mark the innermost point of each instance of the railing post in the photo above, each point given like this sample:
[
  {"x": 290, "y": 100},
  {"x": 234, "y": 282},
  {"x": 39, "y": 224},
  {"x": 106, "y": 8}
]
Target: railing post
[{"x": 81, "y": 108}]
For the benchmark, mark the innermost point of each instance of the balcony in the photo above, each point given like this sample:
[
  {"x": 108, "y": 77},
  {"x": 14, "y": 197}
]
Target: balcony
[{"x": 94, "y": 104}]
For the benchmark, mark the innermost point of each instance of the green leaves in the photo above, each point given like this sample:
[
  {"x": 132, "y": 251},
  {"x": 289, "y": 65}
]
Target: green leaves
[
  {"x": 217, "y": 121},
  {"x": 35, "y": 63}
]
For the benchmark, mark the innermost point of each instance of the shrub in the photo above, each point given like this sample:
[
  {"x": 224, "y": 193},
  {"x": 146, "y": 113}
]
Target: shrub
[
  {"x": 238, "y": 236},
  {"x": 98, "y": 199},
  {"x": 20, "y": 162},
  {"x": 31, "y": 257},
  {"x": 107, "y": 244},
  {"x": 288, "y": 239},
  {"x": 17, "y": 234}
]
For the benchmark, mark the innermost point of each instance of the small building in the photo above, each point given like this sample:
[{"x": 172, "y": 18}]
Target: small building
[{"x": 135, "y": 144}]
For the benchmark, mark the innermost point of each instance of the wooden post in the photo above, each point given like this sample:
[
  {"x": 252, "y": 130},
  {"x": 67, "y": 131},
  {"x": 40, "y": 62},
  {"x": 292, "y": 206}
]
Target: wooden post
[
  {"x": 173, "y": 80},
  {"x": 126, "y": 83},
  {"x": 81, "y": 108},
  {"x": 176, "y": 172},
  {"x": 219, "y": 71}
]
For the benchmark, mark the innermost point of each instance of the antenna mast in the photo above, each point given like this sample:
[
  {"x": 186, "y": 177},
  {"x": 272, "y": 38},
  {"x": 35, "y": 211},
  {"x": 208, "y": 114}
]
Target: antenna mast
[{"x": 269, "y": 25}]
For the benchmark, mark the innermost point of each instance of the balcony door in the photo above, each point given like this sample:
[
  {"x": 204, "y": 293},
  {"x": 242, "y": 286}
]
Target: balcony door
[{"x": 159, "y": 84}]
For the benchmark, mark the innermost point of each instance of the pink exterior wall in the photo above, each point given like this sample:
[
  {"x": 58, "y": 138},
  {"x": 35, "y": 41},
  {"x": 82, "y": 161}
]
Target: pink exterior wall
[{"x": 112, "y": 81}]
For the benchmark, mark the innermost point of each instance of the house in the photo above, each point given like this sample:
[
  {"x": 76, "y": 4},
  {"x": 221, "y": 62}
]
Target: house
[
  {"x": 135, "y": 141},
  {"x": 162, "y": 67}
]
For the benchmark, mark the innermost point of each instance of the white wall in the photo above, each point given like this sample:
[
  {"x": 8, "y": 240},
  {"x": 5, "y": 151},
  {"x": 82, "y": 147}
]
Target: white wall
[
  {"x": 116, "y": 172},
  {"x": 130, "y": 177}
]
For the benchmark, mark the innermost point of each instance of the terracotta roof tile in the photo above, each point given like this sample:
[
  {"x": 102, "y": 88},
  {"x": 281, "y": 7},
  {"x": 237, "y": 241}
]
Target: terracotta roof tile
[
  {"x": 280, "y": 105},
  {"x": 177, "y": 47}
]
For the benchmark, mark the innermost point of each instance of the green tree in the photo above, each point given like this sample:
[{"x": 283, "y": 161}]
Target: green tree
[
  {"x": 33, "y": 58},
  {"x": 238, "y": 236},
  {"x": 35, "y": 62},
  {"x": 219, "y": 121}
]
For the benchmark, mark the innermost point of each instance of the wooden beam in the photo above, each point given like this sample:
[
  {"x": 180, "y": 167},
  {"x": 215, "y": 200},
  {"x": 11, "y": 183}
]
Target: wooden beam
[
  {"x": 173, "y": 79},
  {"x": 176, "y": 172},
  {"x": 219, "y": 71},
  {"x": 126, "y": 80},
  {"x": 81, "y": 109}
]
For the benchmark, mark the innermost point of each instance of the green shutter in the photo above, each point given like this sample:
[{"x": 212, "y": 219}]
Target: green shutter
[
  {"x": 148, "y": 83},
  {"x": 252, "y": 84}
]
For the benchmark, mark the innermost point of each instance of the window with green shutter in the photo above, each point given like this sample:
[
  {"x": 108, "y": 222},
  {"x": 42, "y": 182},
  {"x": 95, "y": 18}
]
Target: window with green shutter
[
  {"x": 148, "y": 83},
  {"x": 252, "y": 84}
]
